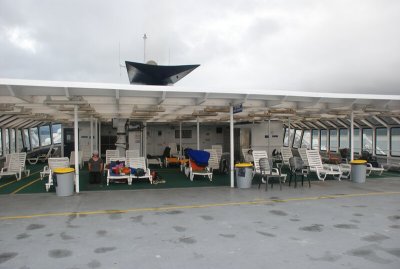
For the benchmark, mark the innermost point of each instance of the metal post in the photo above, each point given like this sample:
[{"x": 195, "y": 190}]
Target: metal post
[
  {"x": 180, "y": 139},
  {"x": 99, "y": 141},
  {"x": 232, "y": 149},
  {"x": 96, "y": 133},
  {"x": 198, "y": 133},
  {"x": 352, "y": 136},
  {"x": 144, "y": 139},
  {"x": 269, "y": 136},
  {"x": 76, "y": 148},
  {"x": 289, "y": 132},
  {"x": 91, "y": 134}
]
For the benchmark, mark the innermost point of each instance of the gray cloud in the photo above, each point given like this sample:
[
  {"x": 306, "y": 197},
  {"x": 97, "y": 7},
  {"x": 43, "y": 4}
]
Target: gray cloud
[{"x": 309, "y": 45}]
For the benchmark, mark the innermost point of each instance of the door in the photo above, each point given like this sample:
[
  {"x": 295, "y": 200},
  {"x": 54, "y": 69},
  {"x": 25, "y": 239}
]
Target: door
[{"x": 68, "y": 141}]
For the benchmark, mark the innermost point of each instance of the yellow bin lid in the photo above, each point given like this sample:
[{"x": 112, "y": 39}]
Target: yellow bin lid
[
  {"x": 358, "y": 162},
  {"x": 63, "y": 170},
  {"x": 240, "y": 165}
]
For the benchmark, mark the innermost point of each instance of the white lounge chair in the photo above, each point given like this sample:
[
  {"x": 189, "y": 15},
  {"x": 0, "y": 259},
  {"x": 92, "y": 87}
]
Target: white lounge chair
[
  {"x": 42, "y": 157},
  {"x": 53, "y": 163},
  {"x": 112, "y": 176},
  {"x": 370, "y": 169},
  {"x": 247, "y": 157},
  {"x": 303, "y": 156},
  {"x": 345, "y": 168},
  {"x": 110, "y": 153},
  {"x": 173, "y": 149},
  {"x": 132, "y": 153},
  {"x": 139, "y": 162},
  {"x": 213, "y": 162},
  {"x": 322, "y": 170},
  {"x": 218, "y": 149},
  {"x": 286, "y": 155},
  {"x": 15, "y": 166},
  {"x": 206, "y": 172}
]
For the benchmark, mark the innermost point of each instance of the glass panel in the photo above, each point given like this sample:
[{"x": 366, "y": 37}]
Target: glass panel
[
  {"x": 324, "y": 140},
  {"x": 314, "y": 138},
  {"x": 7, "y": 137},
  {"x": 306, "y": 142},
  {"x": 34, "y": 133},
  {"x": 357, "y": 142},
  {"x": 344, "y": 138},
  {"x": 297, "y": 139},
  {"x": 27, "y": 140},
  {"x": 12, "y": 140},
  {"x": 56, "y": 131},
  {"x": 20, "y": 143},
  {"x": 395, "y": 141},
  {"x": 381, "y": 145},
  {"x": 44, "y": 132},
  {"x": 333, "y": 141},
  {"x": 367, "y": 139}
]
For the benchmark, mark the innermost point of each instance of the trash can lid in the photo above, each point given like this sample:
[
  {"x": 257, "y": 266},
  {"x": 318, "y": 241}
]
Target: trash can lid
[
  {"x": 239, "y": 165},
  {"x": 63, "y": 170},
  {"x": 358, "y": 162}
]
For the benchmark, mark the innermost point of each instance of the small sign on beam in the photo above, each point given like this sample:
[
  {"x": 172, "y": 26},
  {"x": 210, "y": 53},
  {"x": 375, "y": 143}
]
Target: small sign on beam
[{"x": 237, "y": 108}]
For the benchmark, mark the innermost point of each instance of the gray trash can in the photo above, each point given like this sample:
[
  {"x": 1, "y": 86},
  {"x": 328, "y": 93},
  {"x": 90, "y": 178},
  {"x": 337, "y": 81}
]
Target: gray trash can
[
  {"x": 64, "y": 181},
  {"x": 244, "y": 175},
  {"x": 358, "y": 171}
]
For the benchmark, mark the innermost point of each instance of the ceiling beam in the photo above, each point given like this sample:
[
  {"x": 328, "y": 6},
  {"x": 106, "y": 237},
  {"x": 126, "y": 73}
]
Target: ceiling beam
[
  {"x": 380, "y": 121},
  {"x": 395, "y": 119}
]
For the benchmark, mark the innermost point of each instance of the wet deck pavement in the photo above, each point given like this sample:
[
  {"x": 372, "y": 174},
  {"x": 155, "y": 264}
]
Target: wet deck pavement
[{"x": 332, "y": 225}]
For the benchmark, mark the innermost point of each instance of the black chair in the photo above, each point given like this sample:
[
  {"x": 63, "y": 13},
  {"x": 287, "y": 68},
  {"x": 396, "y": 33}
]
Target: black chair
[
  {"x": 268, "y": 172},
  {"x": 297, "y": 169}
]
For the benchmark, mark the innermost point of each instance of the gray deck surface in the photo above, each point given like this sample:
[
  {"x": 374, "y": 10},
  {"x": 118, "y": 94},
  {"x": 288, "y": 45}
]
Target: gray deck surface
[{"x": 206, "y": 228}]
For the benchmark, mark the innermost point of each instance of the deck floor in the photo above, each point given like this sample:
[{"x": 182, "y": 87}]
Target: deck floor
[{"x": 332, "y": 225}]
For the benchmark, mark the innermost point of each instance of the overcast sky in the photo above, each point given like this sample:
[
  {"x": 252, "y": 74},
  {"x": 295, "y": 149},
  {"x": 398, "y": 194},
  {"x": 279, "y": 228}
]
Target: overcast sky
[{"x": 298, "y": 45}]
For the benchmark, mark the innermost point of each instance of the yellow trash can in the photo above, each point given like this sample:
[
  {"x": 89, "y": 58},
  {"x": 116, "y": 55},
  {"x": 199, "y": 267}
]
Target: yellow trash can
[
  {"x": 244, "y": 175},
  {"x": 63, "y": 180}
]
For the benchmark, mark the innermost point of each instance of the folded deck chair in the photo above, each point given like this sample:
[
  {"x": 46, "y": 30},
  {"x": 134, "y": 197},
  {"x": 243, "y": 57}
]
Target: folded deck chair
[
  {"x": 139, "y": 162},
  {"x": 53, "y": 163},
  {"x": 322, "y": 170},
  {"x": 15, "y": 166},
  {"x": 198, "y": 164}
]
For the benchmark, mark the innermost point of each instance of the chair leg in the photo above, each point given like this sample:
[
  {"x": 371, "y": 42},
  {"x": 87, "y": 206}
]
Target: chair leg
[
  {"x": 259, "y": 183},
  {"x": 266, "y": 184}
]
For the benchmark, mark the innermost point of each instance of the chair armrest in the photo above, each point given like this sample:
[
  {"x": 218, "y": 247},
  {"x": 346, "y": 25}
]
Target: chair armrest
[
  {"x": 3, "y": 169},
  {"x": 369, "y": 165},
  {"x": 276, "y": 170}
]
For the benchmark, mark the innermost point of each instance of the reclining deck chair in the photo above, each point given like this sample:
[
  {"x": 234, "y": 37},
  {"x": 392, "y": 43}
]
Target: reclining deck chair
[
  {"x": 53, "y": 163},
  {"x": 139, "y": 162},
  {"x": 15, "y": 165},
  {"x": 286, "y": 155},
  {"x": 42, "y": 157},
  {"x": 198, "y": 164},
  {"x": 80, "y": 158},
  {"x": 218, "y": 149},
  {"x": 322, "y": 170},
  {"x": 213, "y": 162},
  {"x": 247, "y": 156},
  {"x": 111, "y": 175},
  {"x": 110, "y": 153},
  {"x": 132, "y": 153}
]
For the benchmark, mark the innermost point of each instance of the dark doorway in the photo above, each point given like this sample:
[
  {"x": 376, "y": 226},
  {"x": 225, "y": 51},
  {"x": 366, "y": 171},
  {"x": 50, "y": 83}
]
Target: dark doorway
[{"x": 68, "y": 141}]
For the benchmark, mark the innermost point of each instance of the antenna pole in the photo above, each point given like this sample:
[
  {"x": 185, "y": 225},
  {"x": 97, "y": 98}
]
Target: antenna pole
[{"x": 144, "y": 47}]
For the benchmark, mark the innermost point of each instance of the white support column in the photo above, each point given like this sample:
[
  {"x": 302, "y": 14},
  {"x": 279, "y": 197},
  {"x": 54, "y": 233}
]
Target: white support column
[
  {"x": 91, "y": 135},
  {"x": 99, "y": 139},
  {"x": 180, "y": 139},
  {"x": 144, "y": 139},
  {"x": 76, "y": 148},
  {"x": 269, "y": 138},
  {"x": 17, "y": 140},
  {"x": 198, "y": 133},
  {"x": 352, "y": 136},
  {"x": 232, "y": 149}
]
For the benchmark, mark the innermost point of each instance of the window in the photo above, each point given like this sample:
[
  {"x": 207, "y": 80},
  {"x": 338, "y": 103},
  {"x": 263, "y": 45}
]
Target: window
[
  {"x": 34, "y": 134},
  {"x": 297, "y": 138},
  {"x": 357, "y": 142},
  {"x": 314, "y": 139},
  {"x": 12, "y": 141},
  {"x": 306, "y": 141},
  {"x": 395, "y": 141},
  {"x": 344, "y": 138},
  {"x": 7, "y": 138},
  {"x": 27, "y": 140},
  {"x": 286, "y": 137},
  {"x": 185, "y": 133},
  {"x": 20, "y": 144},
  {"x": 333, "y": 141},
  {"x": 381, "y": 143},
  {"x": 324, "y": 140},
  {"x": 44, "y": 132},
  {"x": 1, "y": 142},
  {"x": 367, "y": 139},
  {"x": 56, "y": 133}
]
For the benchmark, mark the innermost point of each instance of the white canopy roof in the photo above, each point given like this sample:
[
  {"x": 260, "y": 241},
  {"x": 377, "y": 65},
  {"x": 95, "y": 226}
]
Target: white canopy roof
[{"x": 25, "y": 103}]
